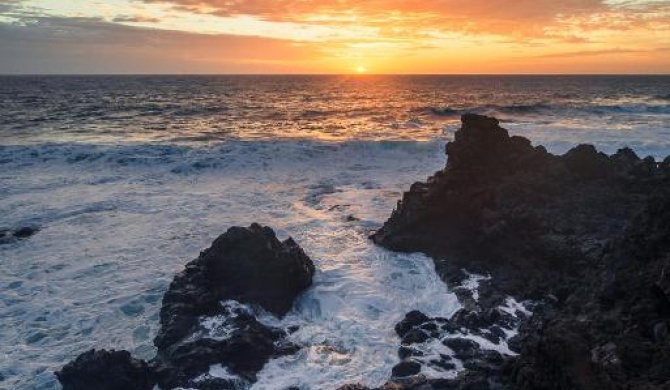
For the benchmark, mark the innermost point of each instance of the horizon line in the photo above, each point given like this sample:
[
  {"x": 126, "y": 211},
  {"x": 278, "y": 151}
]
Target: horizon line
[{"x": 358, "y": 75}]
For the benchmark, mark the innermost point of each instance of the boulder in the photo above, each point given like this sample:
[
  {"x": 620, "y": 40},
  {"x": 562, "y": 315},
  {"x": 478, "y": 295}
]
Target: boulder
[
  {"x": 412, "y": 319},
  {"x": 106, "y": 370},
  {"x": 463, "y": 348},
  {"x": 248, "y": 265},
  {"x": 238, "y": 342},
  {"x": 8, "y": 235},
  {"x": 25, "y": 231},
  {"x": 415, "y": 336},
  {"x": 406, "y": 368},
  {"x": 244, "y": 265}
]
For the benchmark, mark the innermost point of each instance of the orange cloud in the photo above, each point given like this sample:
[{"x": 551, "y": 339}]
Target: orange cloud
[
  {"x": 384, "y": 36},
  {"x": 471, "y": 15}
]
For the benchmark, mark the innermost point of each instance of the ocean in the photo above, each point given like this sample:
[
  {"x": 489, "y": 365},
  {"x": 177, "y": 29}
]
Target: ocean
[{"x": 129, "y": 177}]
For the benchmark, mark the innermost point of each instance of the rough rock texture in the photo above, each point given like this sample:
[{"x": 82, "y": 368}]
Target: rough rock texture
[
  {"x": 586, "y": 234},
  {"x": 106, "y": 370},
  {"x": 482, "y": 365},
  {"x": 247, "y": 265},
  {"x": 239, "y": 342}
]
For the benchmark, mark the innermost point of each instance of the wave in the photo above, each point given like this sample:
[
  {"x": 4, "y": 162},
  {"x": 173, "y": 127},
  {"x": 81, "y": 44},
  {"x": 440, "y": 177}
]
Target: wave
[
  {"x": 445, "y": 111},
  {"x": 523, "y": 108},
  {"x": 228, "y": 155},
  {"x": 560, "y": 110},
  {"x": 628, "y": 109}
]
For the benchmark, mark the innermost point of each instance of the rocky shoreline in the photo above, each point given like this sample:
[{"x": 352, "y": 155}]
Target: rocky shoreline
[
  {"x": 573, "y": 254},
  {"x": 203, "y": 323},
  {"x": 585, "y": 236}
]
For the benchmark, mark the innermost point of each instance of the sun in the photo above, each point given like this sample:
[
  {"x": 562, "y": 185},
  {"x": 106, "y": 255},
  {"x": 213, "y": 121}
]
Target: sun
[{"x": 361, "y": 69}]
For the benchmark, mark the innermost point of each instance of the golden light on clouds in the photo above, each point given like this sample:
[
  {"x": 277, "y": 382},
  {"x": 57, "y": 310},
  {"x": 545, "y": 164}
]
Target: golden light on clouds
[{"x": 348, "y": 36}]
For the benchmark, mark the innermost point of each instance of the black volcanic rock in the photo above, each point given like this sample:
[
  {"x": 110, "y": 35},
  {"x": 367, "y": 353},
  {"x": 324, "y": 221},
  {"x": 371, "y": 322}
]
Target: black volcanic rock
[
  {"x": 412, "y": 319},
  {"x": 8, "y": 235},
  {"x": 463, "y": 348},
  {"x": 244, "y": 348},
  {"x": 25, "y": 231},
  {"x": 501, "y": 205},
  {"x": 244, "y": 265},
  {"x": 106, "y": 370},
  {"x": 406, "y": 368},
  {"x": 586, "y": 236},
  {"x": 249, "y": 265}
]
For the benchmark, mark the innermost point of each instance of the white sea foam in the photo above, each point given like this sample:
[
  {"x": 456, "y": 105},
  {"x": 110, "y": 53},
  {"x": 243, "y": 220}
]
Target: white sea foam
[
  {"x": 119, "y": 221},
  {"x": 117, "y": 226}
]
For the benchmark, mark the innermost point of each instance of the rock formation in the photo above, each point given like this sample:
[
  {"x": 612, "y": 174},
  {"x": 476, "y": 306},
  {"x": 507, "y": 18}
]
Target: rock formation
[
  {"x": 244, "y": 265},
  {"x": 8, "y": 236},
  {"x": 106, "y": 370},
  {"x": 585, "y": 236}
]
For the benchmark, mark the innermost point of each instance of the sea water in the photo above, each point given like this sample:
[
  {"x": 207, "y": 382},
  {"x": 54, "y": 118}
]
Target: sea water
[{"x": 130, "y": 177}]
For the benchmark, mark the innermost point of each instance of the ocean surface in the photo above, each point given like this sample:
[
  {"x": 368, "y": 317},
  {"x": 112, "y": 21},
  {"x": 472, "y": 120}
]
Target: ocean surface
[{"x": 130, "y": 177}]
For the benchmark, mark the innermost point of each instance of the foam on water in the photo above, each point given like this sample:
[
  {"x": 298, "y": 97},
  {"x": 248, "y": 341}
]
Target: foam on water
[
  {"x": 129, "y": 178},
  {"x": 119, "y": 221},
  {"x": 346, "y": 320},
  {"x": 115, "y": 231}
]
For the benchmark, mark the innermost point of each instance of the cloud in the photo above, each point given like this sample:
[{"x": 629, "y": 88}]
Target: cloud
[
  {"x": 8, "y": 5},
  {"x": 592, "y": 53},
  {"x": 518, "y": 19},
  {"x": 470, "y": 14},
  {"x": 135, "y": 19},
  {"x": 471, "y": 9},
  {"x": 93, "y": 45},
  {"x": 308, "y": 36}
]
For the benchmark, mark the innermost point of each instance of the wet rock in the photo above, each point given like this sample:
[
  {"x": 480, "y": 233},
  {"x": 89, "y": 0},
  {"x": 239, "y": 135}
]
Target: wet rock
[
  {"x": 245, "y": 265},
  {"x": 405, "y": 352},
  {"x": 218, "y": 384},
  {"x": 7, "y": 235},
  {"x": 471, "y": 380},
  {"x": 244, "y": 349},
  {"x": 443, "y": 364},
  {"x": 406, "y": 368},
  {"x": 463, "y": 348},
  {"x": 106, "y": 370},
  {"x": 25, "y": 231},
  {"x": 248, "y": 265},
  {"x": 415, "y": 336},
  {"x": 412, "y": 319},
  {"x": 353, "y": 387},
  {"x": 429, "y": 327},
  {"x": 585, "y": 235},
  {"x": 495, "y": 334}
]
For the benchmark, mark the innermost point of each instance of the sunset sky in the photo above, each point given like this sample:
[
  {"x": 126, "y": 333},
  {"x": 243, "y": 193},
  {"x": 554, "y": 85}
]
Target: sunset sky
[{"x": 339, "y": 36}]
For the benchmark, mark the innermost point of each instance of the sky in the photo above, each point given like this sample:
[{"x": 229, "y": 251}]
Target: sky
[{"x": 337, "y": 36}]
